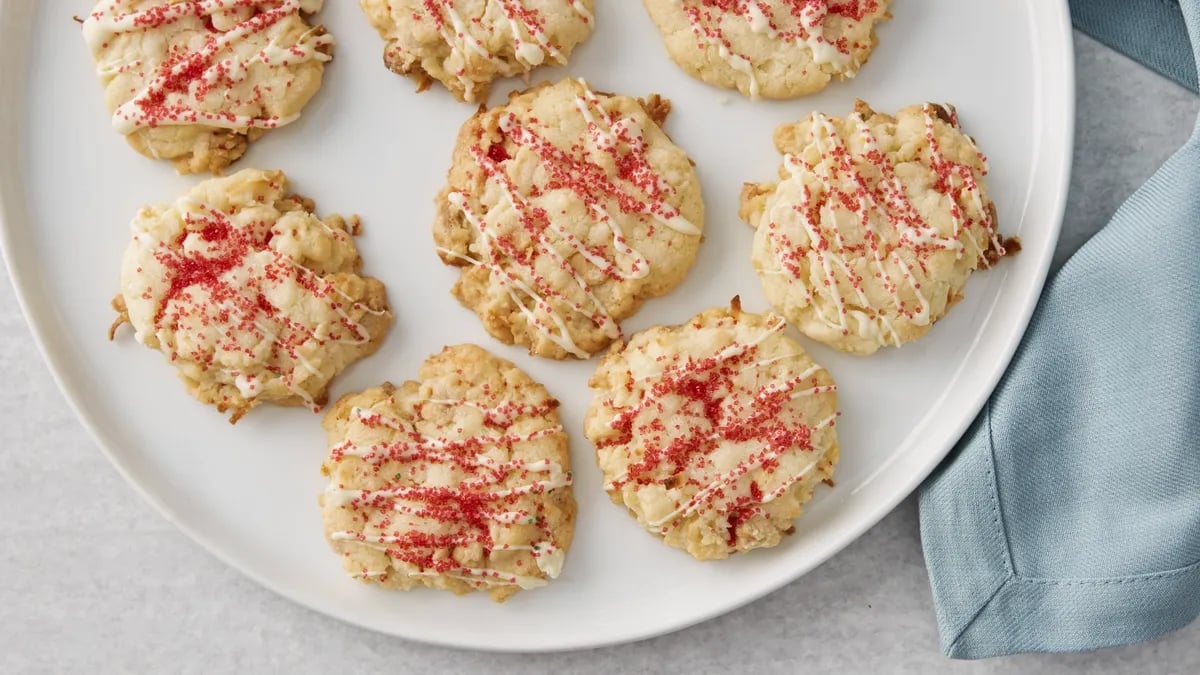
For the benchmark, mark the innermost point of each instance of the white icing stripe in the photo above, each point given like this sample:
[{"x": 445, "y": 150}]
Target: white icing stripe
[
  {"x": 739, "y": 63},
  {"x": 486, "y": 575},
  {"x": 812, "y": 18},
  {"x": 729, "y": 352},
  {"x": 720, "y": 483},
  {"x": 582, "y": 11},
  {"x": 532, "y": 54},
  {"x": 371, "y": 417},
  {"x": 503, "y": 414}
]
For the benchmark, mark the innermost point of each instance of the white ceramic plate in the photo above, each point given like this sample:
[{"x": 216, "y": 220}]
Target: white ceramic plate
[{"x": 69, "y": 186}]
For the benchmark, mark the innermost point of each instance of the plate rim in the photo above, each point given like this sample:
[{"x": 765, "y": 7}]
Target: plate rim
[{"x": 1058, "y": 104}]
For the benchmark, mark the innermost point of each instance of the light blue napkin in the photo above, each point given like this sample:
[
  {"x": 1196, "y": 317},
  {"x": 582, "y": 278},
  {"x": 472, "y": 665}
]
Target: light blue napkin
[
  {"x": 1151, "y": 31},
  {"x": 1069, "y": 516}
]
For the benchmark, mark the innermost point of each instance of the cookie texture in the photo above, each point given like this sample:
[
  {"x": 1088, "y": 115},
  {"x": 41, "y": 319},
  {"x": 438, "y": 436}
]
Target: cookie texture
[
  {"x": 459, "y": 481},
  {"x": 769, "y": 49},
  {"x": 566, "y": 209},
  {"x": 875, "y": 224},
  {"x": 195, "y": 81},
  {"x": 466, "y": 44},
  {"x": 248, "y": 294},
  {"x": 714, "y": 433}
]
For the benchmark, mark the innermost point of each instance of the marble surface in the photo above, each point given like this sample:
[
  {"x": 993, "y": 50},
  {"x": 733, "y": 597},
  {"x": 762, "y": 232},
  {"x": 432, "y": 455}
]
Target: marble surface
[{"x": 93, "y": 580}]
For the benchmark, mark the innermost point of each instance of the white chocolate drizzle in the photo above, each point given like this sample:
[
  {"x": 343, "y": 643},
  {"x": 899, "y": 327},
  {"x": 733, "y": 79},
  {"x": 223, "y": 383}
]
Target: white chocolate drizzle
[
  {"x": 896, "y": 238},
  {"x": 180, "y": 90},
  {"x": 469, "y": 37},
  {"x": 722, "y": 408},
  {"x": 793, "y": 21},
  {"x": 468, "y": 497},
  {"x": 226, "y": 295},
  {"x": 642, "y": 191}
]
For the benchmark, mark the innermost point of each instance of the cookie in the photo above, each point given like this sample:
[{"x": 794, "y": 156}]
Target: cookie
[
  {"x": 714, "y": 433},
  {"x": 465, "y": 44},
  {"x": 459, "y": 481},
  {"x": 566, "y": 209},
  {"x": 195, "y": 81},
  {"x": 251, "y": 297},
  {"x": 769, "y": 49},
  {"x": 875, "y": 225}
]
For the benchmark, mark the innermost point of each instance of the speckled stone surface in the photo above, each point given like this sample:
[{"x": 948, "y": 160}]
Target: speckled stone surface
[{"x": 93, "y": 580}]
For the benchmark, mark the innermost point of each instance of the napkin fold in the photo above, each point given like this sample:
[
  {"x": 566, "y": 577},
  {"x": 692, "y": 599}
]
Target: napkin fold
[
  {"x": 1152, "y": 32},
  {"x": 1068, "y": 518}
]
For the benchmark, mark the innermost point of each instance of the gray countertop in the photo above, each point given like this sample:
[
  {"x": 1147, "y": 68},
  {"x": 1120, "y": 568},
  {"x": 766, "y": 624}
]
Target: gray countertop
[{"x": 93, "y": 580}]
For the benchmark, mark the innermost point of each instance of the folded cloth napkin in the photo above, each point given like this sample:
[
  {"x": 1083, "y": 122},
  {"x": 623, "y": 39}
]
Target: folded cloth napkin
[
  {"x": 1068, "y": 517},
  {"x": 1150, "y": 31}
]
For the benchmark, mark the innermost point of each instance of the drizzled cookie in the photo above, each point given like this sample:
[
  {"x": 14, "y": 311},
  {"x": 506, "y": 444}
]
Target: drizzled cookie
[
  {"x": 714, "y": 433},
  {"x": 465, "y": 44},
  {"x": 769, "y": 48},
  {"x": 249, "y": 295},
  {"x": 566, "y": 209},
  {"x": 194, "y": 81},
  {"x": 459, "y": 481},
  {"x": 875, "y": 224}
]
